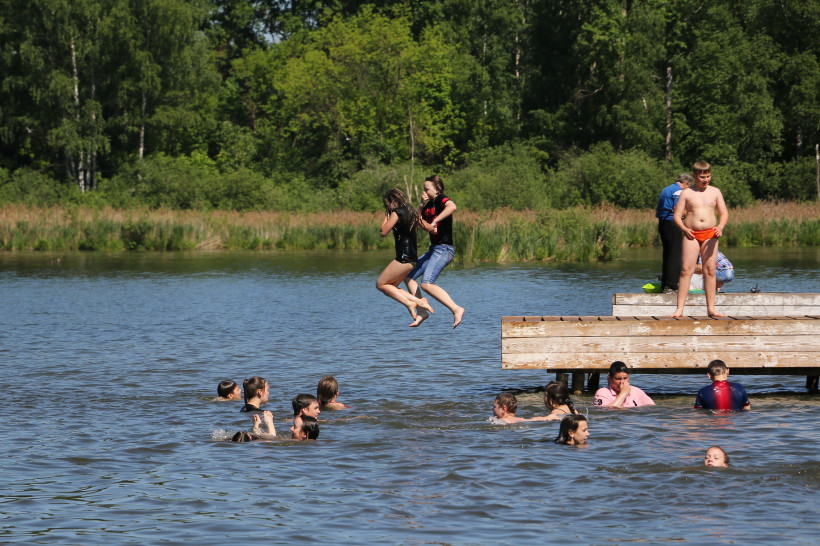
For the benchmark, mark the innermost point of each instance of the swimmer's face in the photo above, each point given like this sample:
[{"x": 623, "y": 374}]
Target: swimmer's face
[
  {"x": 236, "y": 393},
  {"x": 265, "y": 394},
  {"x": 620, "y": 378},
  {"x": 498, "y": 411},
  {"x": 296, "y": 429},
  {"x": 430, "y": 190},
  {"x": 548, "y": 402},
  {"x": 581, "y": 434},
  {"x": 714, "y": 457},
  {"x": 312, "y": 410},
  {"x": 702, "y": 180}
]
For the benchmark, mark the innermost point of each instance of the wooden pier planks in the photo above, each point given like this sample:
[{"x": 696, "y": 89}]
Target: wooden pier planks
[
  {"x": 731, "y": 304},
  {"x": 777, "y": 345}
]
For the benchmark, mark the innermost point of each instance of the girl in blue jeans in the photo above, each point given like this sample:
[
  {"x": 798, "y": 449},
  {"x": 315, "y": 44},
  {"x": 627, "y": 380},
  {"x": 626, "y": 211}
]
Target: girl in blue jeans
[{"x": 437, "y": 219}]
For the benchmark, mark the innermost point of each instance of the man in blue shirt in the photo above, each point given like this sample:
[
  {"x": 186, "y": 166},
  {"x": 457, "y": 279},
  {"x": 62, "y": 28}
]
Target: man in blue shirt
[{"x": 671, "y": 236}]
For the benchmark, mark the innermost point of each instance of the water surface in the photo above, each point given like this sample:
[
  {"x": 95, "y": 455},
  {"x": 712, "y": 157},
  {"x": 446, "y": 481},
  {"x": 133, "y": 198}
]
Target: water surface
[{"x": 110, "y": 433}]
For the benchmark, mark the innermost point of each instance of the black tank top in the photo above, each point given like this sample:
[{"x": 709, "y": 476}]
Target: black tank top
[{"x": 405, "y": 237}]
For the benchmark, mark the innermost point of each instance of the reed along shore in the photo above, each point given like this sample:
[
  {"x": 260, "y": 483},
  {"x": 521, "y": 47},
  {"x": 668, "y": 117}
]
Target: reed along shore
[{"x": 579, "y": 234}]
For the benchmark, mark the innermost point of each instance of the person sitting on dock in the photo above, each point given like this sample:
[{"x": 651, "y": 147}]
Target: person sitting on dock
[
  {"x": 573, "y": 431},
  {"x": 619, "y": 393},
  {"x": 557, "y": 402},
  {"x": 722, "y": 395},
  {"x": 504, "y": 408}
]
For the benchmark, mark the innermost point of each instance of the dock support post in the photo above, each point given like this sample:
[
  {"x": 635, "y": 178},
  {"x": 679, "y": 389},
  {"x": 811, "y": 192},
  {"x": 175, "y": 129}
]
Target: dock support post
[
  {"x": 593, "y": 382},
  {"x": 811, "y": 383},
  {"x": 562, "y": 377},
  {"x": 577, "y": 382}
]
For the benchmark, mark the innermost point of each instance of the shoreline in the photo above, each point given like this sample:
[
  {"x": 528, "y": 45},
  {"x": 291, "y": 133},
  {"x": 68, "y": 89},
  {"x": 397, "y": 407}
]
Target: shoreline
[{"x": 572, "y": 235}]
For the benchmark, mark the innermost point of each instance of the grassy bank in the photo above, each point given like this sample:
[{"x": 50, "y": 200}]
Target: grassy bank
[{"x": 570, "y": 235}]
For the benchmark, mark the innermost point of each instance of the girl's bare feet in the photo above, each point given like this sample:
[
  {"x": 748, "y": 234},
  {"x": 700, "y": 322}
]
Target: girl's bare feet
[
  {"x": 457, "y": 314},
  {"x": 426, "y": 305}
]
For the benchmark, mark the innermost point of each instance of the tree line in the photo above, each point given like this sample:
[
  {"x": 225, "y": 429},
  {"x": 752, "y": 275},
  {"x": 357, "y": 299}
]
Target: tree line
[{"x": 322, "y": 104}]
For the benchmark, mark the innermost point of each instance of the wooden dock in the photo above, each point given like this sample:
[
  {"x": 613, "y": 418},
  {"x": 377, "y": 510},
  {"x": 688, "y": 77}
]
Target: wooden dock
[
  {"x": 748, "y": 344},
  {"x": 730, "y": 304}
]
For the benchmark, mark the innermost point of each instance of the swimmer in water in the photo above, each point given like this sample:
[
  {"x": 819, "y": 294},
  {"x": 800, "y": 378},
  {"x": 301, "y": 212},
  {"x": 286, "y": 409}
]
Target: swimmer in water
[
  {"x": 304, "y": 428},
  {"x": 557, "y": 402},
  {"x": 574, "y": 431},
  {"x": 716, "y": 456},
  {"x": 504, "y": 408},
  {"x": 327, "y": 391},
  {"x": 256, "y": 392},
  {"x": 228, "y": 390}
]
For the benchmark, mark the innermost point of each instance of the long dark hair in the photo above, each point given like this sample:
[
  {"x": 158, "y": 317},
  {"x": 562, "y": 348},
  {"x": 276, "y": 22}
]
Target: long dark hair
[
  {"x": 568, "y": 424},
  {"x": 252, "y": 386},
  {"x": 558, "y": 393},
  {"x": 395, "y": 199}
]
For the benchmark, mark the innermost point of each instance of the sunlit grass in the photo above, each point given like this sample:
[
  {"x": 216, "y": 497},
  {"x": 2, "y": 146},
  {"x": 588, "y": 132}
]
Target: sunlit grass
[{"x": 579, "y": 234}]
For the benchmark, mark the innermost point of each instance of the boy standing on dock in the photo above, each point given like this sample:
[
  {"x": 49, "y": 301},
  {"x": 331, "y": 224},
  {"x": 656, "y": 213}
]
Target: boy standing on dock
[
  {"x": 695, "y": 217},
  {"x": 671, "y": 237},
  {"x": 721, "y": 395}
]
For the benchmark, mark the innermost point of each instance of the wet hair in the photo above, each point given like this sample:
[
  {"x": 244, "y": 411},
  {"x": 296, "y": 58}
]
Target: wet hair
[
  {"x": 437, "y": 182},
  {"x": 716, "y": 367},
  {"x": 225, "y": 388},
  {"x": 395, "y": 199},
  {"x": 686, "y": 178},
  {"x": 310, "y": 427},
  {"x": 701, "y": 167},
  {"x": 328, "y": 388},
  {"x": 725, "y": 455},
  {"x": 508, "y": 401},
  {"x": 301, "y": 401},
  {"x": 617, "y": 367},
  {"x": 243, "y": 436},
  {"x": 558, "y": 393},
  {"x": 252, "y": 386},
  {"x": 568, "y": 424}
]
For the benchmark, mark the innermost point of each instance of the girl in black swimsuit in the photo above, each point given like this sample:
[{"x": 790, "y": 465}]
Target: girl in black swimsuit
[{"x": 403, "y": 220}]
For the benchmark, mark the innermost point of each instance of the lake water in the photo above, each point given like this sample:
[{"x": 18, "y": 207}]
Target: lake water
[{"x": 111, "y": 435}]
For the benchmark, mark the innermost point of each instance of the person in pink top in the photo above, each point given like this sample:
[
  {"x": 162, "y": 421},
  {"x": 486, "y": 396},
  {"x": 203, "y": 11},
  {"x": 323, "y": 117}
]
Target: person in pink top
[{"x": 619, "y": 393}]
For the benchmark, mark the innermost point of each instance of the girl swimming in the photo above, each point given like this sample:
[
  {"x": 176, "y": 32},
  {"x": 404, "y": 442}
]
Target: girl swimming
[
  {"x": 437, "y": 213},
  {"x": 403, "y": 220},
  {"x": 557, "y": 402},
  {"x": 327, "y": 391},
  {"x": 574, "y": 430},
  {"x": 716, "y": 456},
  {"x": 256, "y": 393}
]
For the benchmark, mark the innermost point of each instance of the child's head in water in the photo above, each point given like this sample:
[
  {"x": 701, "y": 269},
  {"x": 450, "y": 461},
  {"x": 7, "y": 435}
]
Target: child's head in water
[
  {"x": 327, "y": 390},
  {"x": 556, "y": 394},
  {"x": 573, "y": 431},
  {"x": 505, "y": 405},
  {"x": 304, "y": 427},
  {"x": 229, "y": 390},
  {"x": 256, "y": 388},
  {"x": 716, "y": 456},
  {"x": 305, "y": 404}
]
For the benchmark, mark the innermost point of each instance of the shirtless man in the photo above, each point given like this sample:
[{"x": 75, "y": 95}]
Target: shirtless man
[{"x": 695, "y": 217}]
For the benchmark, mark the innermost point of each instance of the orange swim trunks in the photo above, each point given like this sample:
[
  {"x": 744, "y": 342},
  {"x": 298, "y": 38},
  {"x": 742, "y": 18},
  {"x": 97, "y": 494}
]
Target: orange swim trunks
[{"x": 703, "y": 234}]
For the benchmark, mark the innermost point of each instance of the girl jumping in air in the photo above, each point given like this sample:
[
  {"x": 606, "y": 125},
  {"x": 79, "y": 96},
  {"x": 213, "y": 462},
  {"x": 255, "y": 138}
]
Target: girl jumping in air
[
  {"x": 437, "y": 213},
  {"x": 403, "y": 220}
]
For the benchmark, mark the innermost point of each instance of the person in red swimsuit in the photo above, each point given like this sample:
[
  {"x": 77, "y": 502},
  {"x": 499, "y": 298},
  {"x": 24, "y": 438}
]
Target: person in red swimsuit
[{"x": 695, "y": 217}]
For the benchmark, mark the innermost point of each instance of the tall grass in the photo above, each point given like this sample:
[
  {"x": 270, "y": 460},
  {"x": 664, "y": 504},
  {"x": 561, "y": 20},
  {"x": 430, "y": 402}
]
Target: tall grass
[{"x": 579, "y": 234}]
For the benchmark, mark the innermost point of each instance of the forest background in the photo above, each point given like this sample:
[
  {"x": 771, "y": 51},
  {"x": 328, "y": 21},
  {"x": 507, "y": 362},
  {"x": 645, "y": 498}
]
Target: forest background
[{"x": 567, "y": 111}]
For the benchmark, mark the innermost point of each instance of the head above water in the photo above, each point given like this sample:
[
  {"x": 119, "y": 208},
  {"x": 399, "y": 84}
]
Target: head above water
[
  {"x": 226, "y": 388},
  {"x": 618, "y": 374},
  {"x": 305, "y": 404},
  {"x": 304, "y": 427},
  {"x": 717, "y": 368},
  {"x": 573, "y": 430},
  {"x": 556, "y": 394},
  {"x": 327, "y": 390},
  {"x": 716, "y": 456},
  {"x": 508, "y": 401},
  {"x": 256, "y": 388}
]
